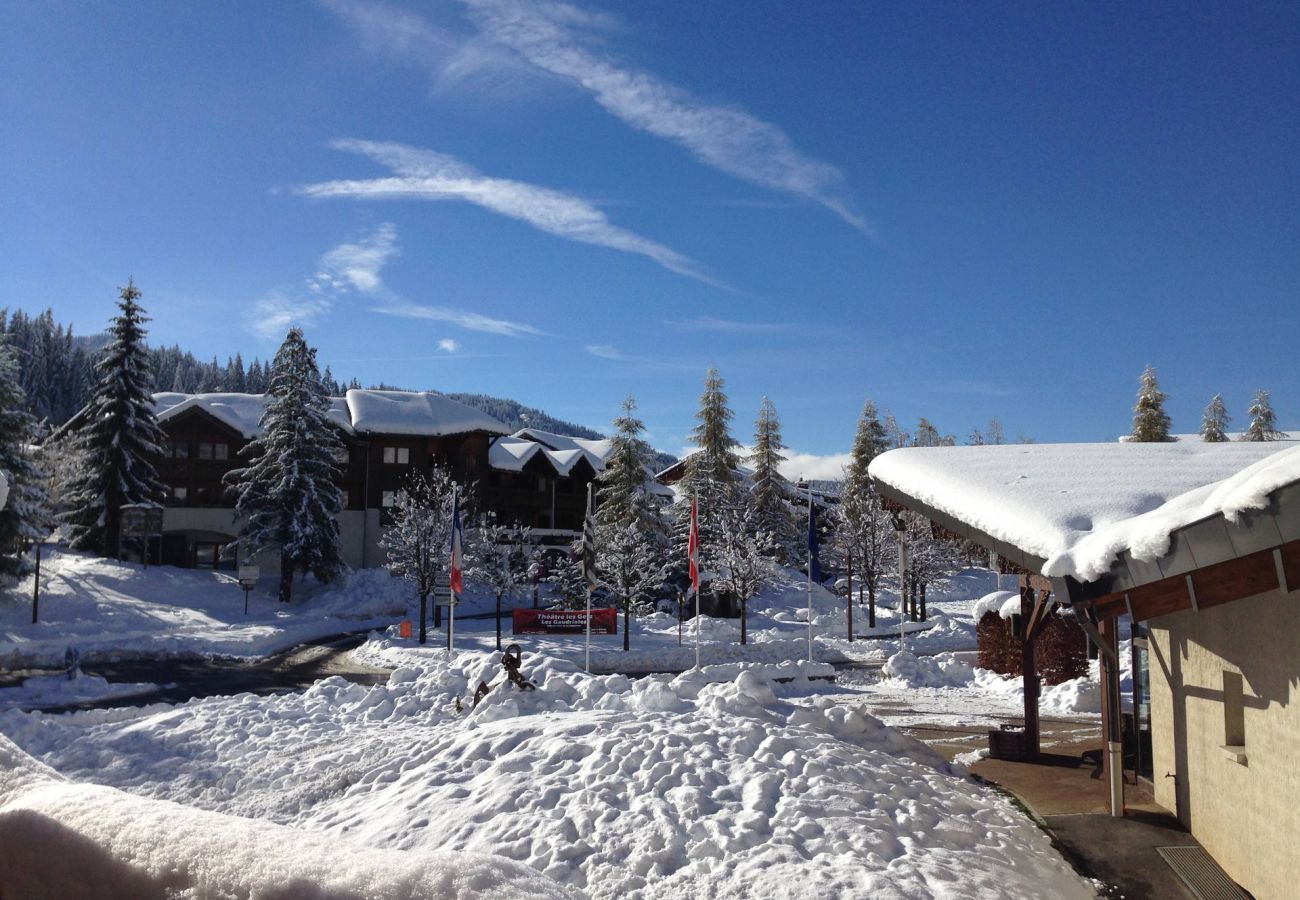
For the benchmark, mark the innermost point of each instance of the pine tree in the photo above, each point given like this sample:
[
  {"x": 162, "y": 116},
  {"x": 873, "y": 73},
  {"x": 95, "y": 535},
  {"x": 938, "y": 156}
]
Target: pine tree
[
  {"x": 25, "y": 518},
  {"x": 418, "y": 539},
  {"x": 1214, "y": 424},
  {"x": 622, "y": 488},
  {"x": 715, "y": 462},
  {"x": 629, "y": 561},
  {"x": 870, "y": 441},
  {"x": 770, "y": 488},
  {"x": 570, "y": 584},
  {"x": 1263, "y": 421},
  {"x": 1150, "y": 421},
  {"x": 287, "y": 495},
  {"x": 742, "y": 558},
  {"x": 119, "y": 437}
]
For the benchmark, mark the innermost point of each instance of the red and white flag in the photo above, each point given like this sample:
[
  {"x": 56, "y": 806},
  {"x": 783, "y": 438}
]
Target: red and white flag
[
  {"x": 457, "y": 554},
  {"x": 693, "y": 550}
]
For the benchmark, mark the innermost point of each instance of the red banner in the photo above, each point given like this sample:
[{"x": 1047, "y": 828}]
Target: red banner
[{"x": 565, "y": 621}]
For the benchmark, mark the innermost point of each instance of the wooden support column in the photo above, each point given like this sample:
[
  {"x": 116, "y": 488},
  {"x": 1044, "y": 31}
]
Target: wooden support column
[
  {"x": 1111, "y": 722},
  {"x": 1029, "y": 664}
]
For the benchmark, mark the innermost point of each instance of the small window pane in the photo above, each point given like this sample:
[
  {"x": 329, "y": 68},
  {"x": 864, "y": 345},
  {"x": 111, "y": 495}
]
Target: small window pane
[
  {"x": 387, "y": 498},
  {"x": 390, "y": 454},
  {"x": 403, "y": 455},
  {"x": 221, "y": 451},
  {"x": 205, "y": 450},
  {"x": 180, "y": 493},
  {"x": 181, "y": 451}
]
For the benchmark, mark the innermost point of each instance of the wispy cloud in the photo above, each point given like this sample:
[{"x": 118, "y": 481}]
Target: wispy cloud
[
  {"x": 449, "y": 345},
  {"x": 557, "y": 38},
  {"x": 351, "y": 267},
  {"x": 605, "y": 351},
  {"x": 813, "y": 466},
  {"x": 464, "y": 318},
  {"x": 729, "y": 326},
  {"x": 426, "y": 175}
]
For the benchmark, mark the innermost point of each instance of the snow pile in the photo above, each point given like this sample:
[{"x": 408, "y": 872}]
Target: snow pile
[
  {"x": 659, "y": 787},
  {"x": 105, "y": 608},
  {"x": 944, "y": 670},
  {"x": 1078, "y": 505},
  {"x": 1005, "y": 603},
  {"x": 127, "y": 846},
  {"x": 416, "y": 413}
]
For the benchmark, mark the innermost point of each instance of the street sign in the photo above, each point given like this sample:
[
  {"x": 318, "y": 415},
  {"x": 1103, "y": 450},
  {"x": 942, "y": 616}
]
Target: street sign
[
  {"x": 141, "y": 519},
  {"x": 248, "y": 576}
]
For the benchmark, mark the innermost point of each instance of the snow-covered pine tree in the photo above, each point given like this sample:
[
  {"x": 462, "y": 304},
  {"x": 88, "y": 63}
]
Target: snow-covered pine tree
[
  {"x": 1214, "y": 424},
  {"x": 771, "y": 490},
  {"x": 1150, "y": 421},
  {"x": 118, "y": 439},
  {"x": 710, "y": 476},
  {"x": 498, "y": 558},
  {"x": 622, "y": 493},
  {"x": 287, "y": 495},
  {"x": 26, "y": 516},
  {"x": 1263, "y": 421},
  {"x": 742, "y": 558},
  {"x": 870, "y": 441},
  {"x": 570, "y": 585},
  {"x": 418, "y": 537}
]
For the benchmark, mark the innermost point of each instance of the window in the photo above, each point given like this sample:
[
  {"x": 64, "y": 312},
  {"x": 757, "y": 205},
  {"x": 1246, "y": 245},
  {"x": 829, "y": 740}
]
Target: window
[
  {"x": 387, "y": 498},
  {"x": 180, "y": 493},
  {"x": 543, "y": 482},
  {"x": 221, "y": 451},
  {"x": 343, "y": 456},
  {"x": 397, "y": 455},
  {"x": 205, "y": 450},
  {"x": 1234, "y": 712},
  {"x": 180, "y": 450}
]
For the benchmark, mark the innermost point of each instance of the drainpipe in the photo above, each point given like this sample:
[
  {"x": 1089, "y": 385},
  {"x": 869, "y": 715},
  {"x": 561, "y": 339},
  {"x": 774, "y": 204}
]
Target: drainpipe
[{"x": 365, "y": 505}]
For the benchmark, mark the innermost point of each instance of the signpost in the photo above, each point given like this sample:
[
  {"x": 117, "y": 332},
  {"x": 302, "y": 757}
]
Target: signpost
[
  {"x": 565, "y": 621},
  {"x": 441, "y": 597},
  {"x": 248, "y": 576}
]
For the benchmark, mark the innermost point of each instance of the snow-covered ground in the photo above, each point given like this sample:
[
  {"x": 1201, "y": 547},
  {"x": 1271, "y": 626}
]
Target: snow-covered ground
[
  {"x": 665, "y": 787},
  {"x": 60, "y": 690}
]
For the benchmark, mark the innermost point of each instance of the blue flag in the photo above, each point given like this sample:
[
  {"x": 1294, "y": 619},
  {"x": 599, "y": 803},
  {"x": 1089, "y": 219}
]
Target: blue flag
[{"x": 814, "y": 557}]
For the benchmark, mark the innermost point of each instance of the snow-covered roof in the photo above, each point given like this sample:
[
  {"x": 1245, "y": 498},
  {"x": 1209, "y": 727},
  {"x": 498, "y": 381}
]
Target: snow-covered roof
[
  {"x": 242, "y": 412},
  {"x": 417, "y": 413},
  {"x": 600, "y": 449},
  {"x": 1073, "y": 508},
  {"x": 511, "y": 454}
]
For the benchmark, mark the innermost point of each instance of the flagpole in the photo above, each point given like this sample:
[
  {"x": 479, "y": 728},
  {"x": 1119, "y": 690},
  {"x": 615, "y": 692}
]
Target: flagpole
[
  {"x": 451, "y": 582},
  {"x": 587, "y": 576},
  {"x": 694, "y": 551},
  {"x": 811, "y": 526}
]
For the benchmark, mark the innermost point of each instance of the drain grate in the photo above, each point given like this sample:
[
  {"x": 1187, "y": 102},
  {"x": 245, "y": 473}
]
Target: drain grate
[{"x": 1201, "y": 874}]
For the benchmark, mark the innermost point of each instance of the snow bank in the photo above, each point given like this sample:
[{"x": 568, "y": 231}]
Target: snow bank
[
  {"x": 657, "y": 787},
  {"x": 63, "y": 839},
  {"x": 1078, "y": 505},
  {"x": 60, "y": 690},
  {"x": 943, "y": 670},
  {"x": 1005, "y": 603}
]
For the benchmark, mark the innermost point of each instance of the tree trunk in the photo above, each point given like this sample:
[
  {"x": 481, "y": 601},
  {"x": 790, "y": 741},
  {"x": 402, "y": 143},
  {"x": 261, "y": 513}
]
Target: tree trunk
[
  {"x": 923, "y": 601},
  {"x": 871, "y": 604},
  {"x": 286, "y": 580},
  {"x": 744, "y": 621},
  {"x": 498, "y": 621},
  {"x": 424, "y": 605},
  {"x": 627, "y": 626},
  {"x": 437, "y": 615}
]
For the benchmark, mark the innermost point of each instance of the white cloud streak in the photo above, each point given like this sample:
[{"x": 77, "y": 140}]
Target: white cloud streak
[
  {"x": 605, "y": 351},
  {"x": 728, "y": 326},
  {"x": 469, "y": 320},
  {"x": 426, "y": 175},
  {"x": 349, "y": 268},
  {"x": 449, "y": 345},
  {"x": 554, "y": 38}
]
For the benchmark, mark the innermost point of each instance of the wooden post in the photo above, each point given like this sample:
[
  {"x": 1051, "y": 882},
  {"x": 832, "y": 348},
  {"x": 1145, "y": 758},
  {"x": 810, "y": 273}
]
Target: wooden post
[
  {"x": 1111, "y": 711},
  {"x": 1029, "y": 665}
]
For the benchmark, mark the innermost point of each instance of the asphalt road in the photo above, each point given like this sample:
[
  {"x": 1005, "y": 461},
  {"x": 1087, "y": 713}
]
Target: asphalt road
[{"x": 181, "y": 679}]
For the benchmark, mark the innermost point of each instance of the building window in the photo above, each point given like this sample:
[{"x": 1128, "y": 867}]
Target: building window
[
  {"x": 180, "y": 451},
  {"x": 179, "y": 494},
  {"x": 542, "y": 482},
  {"x": 344, "y": 456},
  {"x": 397, "y": 455},
  {"x": 387, "y": 499},
  {"x": 1234, "y": 710},
  {"x": 221, "y": 451},
  {"x": 205, "y": 450}
]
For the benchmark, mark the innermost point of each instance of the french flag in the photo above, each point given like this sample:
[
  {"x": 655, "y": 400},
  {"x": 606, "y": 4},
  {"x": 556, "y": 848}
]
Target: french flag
[{"x": 457, "y": 554}]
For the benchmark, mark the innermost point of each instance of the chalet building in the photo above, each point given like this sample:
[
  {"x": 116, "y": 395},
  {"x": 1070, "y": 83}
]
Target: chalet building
[
  {"x": 1196, "y": 549},
  {"x": 530, "y": 478}
]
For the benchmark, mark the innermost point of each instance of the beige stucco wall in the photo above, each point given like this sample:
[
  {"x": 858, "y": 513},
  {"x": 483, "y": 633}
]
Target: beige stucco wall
[{"x": 1246, "y": 814}]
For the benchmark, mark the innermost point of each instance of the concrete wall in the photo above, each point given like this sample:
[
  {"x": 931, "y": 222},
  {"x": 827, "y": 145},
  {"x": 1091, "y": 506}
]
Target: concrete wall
[{"x": 1245, "y": 809}]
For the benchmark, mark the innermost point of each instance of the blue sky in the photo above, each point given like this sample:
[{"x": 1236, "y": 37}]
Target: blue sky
[{"x": 961, "y": 212}]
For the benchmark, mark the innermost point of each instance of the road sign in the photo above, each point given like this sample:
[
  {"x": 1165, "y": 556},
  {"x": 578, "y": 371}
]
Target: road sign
[
  {"x": 141, "y": 519},
  {"x": 248, "y": 576}
]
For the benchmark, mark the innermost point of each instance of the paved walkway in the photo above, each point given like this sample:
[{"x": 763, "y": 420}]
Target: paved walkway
[{"x": 1064, "y": 791}]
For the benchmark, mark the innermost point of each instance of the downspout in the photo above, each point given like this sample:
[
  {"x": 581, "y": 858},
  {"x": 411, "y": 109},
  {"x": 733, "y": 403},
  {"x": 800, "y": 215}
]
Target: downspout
[{"x": 365, "y": 507}]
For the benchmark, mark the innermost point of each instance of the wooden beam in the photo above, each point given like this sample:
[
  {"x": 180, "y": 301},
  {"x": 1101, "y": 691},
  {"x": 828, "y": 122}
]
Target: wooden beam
[
  {"x": 1086, "y": 621},
  {"x": 1160, "y": 598},
  {"x": 1291, "y": 564},
  {"x": 1246, "y": 576},
  {"x": 1038, "y": 616}
]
